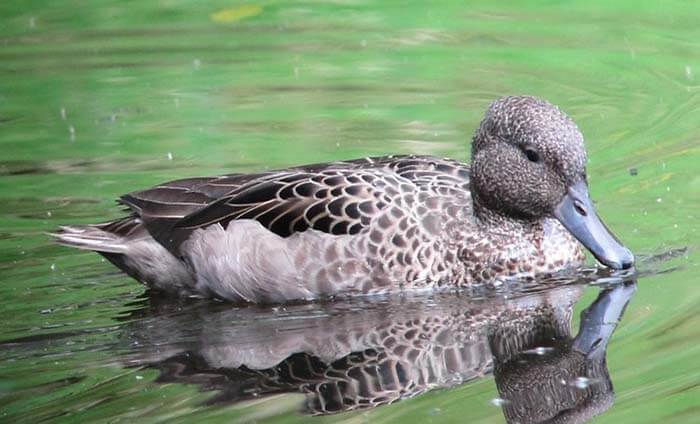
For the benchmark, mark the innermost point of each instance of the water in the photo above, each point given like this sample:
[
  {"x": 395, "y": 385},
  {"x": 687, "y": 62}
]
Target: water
[{"x": 102, "y": 98}]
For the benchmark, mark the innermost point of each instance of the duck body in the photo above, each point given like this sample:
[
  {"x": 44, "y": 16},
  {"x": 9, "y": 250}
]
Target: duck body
[{"x": 362, "y": 226}]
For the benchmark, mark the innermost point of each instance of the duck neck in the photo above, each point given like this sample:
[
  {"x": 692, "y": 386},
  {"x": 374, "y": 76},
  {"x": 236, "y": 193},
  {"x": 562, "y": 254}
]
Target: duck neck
[{"x": 495, "y": 222}]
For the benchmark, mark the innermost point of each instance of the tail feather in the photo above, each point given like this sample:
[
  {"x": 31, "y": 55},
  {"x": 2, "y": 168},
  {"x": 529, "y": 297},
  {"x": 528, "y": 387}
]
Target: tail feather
[
  {"x": 90, "y": 237},
  {"x": 127, "y": 244}
]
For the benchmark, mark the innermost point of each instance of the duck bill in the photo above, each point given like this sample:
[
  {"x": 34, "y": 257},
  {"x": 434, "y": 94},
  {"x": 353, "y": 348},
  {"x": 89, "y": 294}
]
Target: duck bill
[{"x": 577, "y": 214}]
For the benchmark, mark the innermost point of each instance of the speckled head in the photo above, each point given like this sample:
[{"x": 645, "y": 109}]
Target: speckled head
[{"x": 529, "y": 163}]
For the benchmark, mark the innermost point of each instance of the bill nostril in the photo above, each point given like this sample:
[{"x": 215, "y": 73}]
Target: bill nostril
[{"x": 580, "y": 209}]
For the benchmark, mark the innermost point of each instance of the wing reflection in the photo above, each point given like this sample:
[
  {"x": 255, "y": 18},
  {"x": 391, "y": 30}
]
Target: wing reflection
[{"x": 365, "y": 353}]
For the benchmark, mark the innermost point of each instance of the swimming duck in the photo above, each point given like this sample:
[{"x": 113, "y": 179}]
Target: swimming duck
[{"x": 371, "y": 225}]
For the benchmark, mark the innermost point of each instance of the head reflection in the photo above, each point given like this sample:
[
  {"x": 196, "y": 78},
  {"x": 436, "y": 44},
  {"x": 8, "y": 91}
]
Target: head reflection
[
  {"x": 366, "y": 354},
  {"x": 554, "y": 378}
]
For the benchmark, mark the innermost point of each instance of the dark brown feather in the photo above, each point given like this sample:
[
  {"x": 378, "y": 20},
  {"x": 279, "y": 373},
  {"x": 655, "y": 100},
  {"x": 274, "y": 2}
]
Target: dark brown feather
[{"x": 337, "y": 198}]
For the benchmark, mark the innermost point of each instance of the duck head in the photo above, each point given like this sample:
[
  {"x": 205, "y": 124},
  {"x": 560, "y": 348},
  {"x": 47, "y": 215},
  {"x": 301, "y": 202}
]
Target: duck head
[{"x": 529, "y": 163}]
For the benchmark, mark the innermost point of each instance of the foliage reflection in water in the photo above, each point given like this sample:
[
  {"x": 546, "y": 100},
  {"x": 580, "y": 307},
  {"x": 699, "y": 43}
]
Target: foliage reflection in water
[
  {"x": 111, "y": 96},
  {"x": 397, "y": 348}
]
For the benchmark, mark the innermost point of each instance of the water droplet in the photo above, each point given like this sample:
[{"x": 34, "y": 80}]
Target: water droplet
[
  {"x": 170, "y": 156},
  {"x": 658, "y": 200},
  {"x": 139, "y": 377},
  {"x": 498, "y": 401},
  {"x": 582, "y": 382},
  {"x": 540, "y": 350},
  {"x": 53, "y": 267}
]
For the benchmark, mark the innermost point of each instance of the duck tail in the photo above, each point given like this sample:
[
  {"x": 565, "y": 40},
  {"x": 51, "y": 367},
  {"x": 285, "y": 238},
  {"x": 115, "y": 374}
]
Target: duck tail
[
  {"x": 110, "y": 237},
  {"x": 88, "y": 237},
  {"x": 127, "y": 244}
]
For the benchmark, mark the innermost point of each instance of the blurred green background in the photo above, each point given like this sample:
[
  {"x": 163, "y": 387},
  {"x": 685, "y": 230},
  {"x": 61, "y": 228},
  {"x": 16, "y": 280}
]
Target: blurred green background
[{"x": 98, "y": 98}]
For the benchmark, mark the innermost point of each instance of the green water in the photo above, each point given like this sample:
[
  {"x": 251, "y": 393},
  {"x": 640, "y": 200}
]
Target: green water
[{"x": 98, "y": 98}]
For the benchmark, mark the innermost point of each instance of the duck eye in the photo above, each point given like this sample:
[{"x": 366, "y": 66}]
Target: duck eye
[{"x": 532, "y": 155}]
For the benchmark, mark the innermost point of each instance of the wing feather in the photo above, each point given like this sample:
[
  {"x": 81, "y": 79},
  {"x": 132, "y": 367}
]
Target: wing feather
[{"x": 337, "y": 198}]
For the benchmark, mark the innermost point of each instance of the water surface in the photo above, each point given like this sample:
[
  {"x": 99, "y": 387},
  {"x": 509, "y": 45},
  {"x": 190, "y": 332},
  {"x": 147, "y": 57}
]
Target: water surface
[{"x": 101, "y": 98}]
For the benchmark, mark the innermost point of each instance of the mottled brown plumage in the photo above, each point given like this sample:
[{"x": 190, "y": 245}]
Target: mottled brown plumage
[{"x": 363, "y": 226}]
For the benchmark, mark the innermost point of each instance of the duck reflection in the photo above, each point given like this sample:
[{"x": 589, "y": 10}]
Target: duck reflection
[{"x": 360, "y": 354}]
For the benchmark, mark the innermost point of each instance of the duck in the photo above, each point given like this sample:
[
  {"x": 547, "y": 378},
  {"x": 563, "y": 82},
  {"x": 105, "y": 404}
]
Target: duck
[{"x": 520, "y": 208}]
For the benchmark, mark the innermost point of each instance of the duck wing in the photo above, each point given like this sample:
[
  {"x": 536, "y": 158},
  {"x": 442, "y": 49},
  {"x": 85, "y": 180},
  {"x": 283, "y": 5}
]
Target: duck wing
[
  {"x": 338, "y": 201},
  {"x": 336, "y": 198}
]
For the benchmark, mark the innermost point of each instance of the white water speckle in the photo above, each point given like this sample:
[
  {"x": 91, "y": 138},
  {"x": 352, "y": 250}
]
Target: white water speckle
[
  {"x": 582, "y": 382},
  {"x": 688, "y": 72},
  {"x": 658, "y": 200},
  {"x": 71, "y": 131},
  {"x": 139, "y": 377},
  {"x": 540, "y": 350},
  {"x": 170, "y": 156},
  {"x": 498, "y": 401},
  {"x": 63, "y": 113},
  {"x": 53, "y": 267},
  {"x": 48, "y": 213}
]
